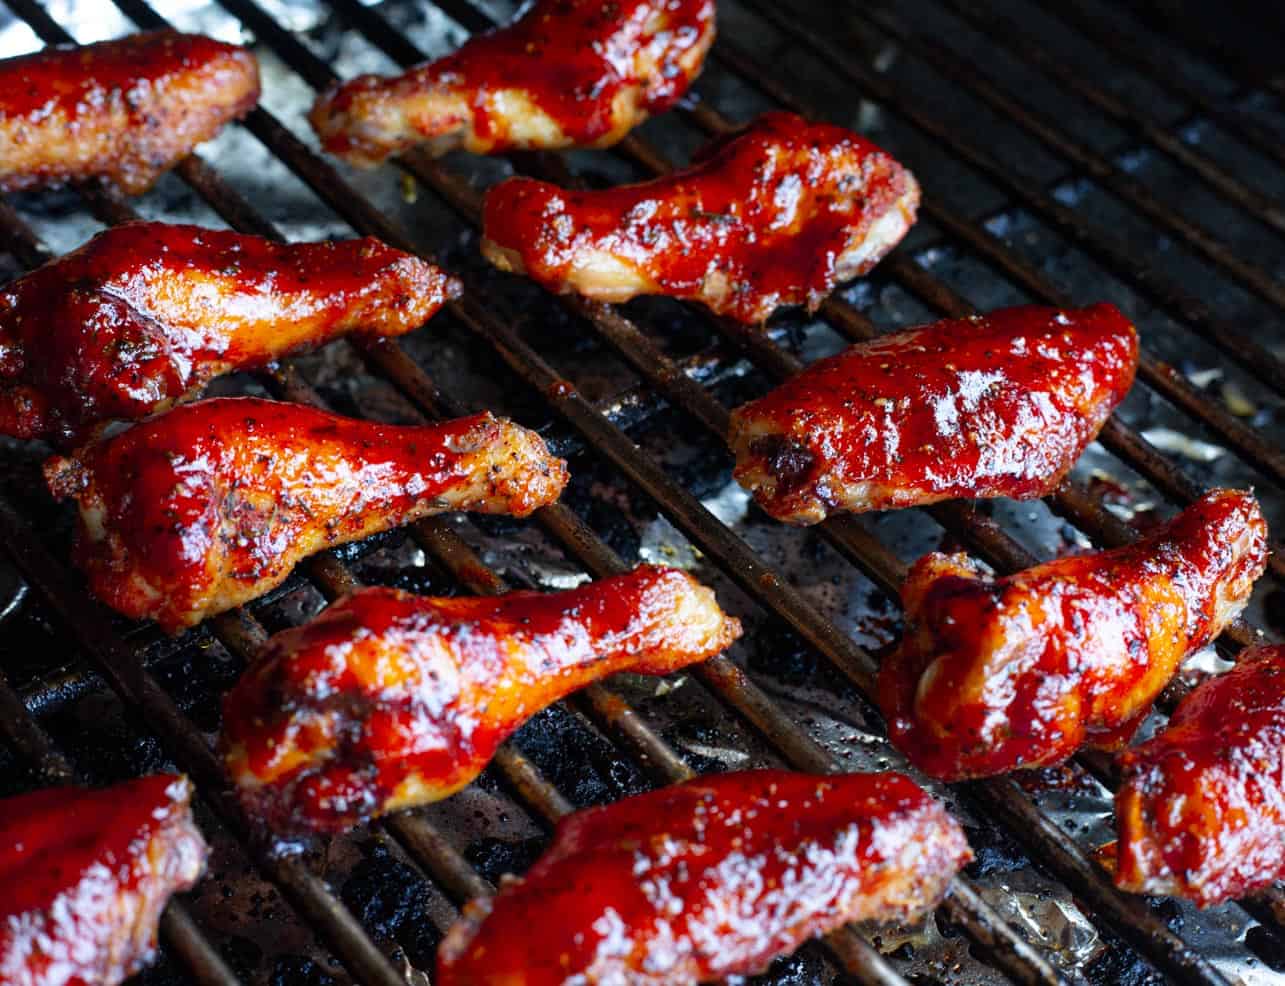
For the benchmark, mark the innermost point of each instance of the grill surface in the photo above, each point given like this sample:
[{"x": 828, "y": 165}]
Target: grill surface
[{"x": 1067, "y": 156}]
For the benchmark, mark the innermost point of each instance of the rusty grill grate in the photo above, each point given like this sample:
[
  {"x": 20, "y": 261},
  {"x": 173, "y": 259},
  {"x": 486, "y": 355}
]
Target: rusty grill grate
[{"x": 1154, "y": 187}]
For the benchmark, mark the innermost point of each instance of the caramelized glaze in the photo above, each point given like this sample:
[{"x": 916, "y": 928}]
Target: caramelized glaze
[
  {"x": 145, "y": 314},
  {"x": 708, "y": 879},
  {"x": 204, "y": 508},
  {"x": 997, "y": 674},
  {"x": 566, "y": 73},
  {"x": 995, "y": 405},
  {"x": 86, "y": 875},
  {"x": 127, "y": 110},
  {"x": 389, "y": 700},
  {"x": 777, "y": 215},
  {"x": 1201, "y": 810}
]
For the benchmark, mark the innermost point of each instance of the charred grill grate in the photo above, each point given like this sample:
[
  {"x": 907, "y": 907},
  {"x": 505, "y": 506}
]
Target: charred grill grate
[{"x": 684, "y": 370}]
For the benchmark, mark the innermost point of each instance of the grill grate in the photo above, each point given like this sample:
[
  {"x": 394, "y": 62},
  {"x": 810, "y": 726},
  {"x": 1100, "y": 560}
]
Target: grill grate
[{"x": 684, "y": 386}]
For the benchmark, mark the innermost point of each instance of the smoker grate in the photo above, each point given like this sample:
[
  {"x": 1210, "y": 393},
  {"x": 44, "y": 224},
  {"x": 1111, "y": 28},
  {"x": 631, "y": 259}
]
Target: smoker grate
[{"x": 688, "y": 390}]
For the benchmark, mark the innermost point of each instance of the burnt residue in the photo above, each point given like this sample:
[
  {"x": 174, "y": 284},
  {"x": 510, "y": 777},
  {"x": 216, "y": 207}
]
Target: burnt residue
[
  {"x": 493, "y": 858},
  {"x": 577, "y": 760},
  {"x": 389, "y": 898}
]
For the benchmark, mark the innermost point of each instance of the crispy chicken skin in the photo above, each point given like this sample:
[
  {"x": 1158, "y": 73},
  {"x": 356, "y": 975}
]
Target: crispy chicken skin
[
  {"x": 1201, "y": 810},
  {"x": 127, "y": 110},
  {"x": 86, "y": 875},
  {"x": 998, "y": 674},
  {"x": 994, "y": 405},
  {"x": 389, "y": 700},
  {"x": 708, "y": 879},
  {"x": 567, "y": 73},
  {"x": 145, "y": 314},
  {"x": 776, "y": 215},
  {"x": 204, "y": 508}
]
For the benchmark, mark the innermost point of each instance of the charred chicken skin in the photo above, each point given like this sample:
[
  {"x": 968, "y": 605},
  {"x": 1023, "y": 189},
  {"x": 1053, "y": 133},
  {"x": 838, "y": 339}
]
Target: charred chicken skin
[
  {"x": 997, "y": 674},
  {"x": 389, "y": 700},
  {"x": 567, "y": 73},
  {"x": 1201, "y": 810},
  {"x": 127, "y": 110},
  {"x": 145, "y": 314},
  {"x": 708, "y": 879},
  {"x": 777, "y": 215},
  {"x": 86, "y": 875},
  {"x": 204, "y": 508},
  {"x": 995, "y": 405}
]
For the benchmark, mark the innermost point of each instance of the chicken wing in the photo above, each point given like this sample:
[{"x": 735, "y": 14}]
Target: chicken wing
[
  {"x": 708, "y": 879},
  {"x": 993, "y": 675},
  {"x": 995, "y": 405},
  {"x": 1201, "y": 811},
  {"x": 201, "y": 509},
  {"x": 777, "y": 215},
  {"x": 145, "y": 314},
  {"x": 86, "y": 875},
  {"x": 567, "y": 73},
  {"x": 127, "y": 110},
  {"x": 389, "y": 700}
]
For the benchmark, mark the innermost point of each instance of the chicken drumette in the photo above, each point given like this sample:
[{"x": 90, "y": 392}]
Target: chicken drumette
[
  {"x": 389, "y": 700},
  {"x": 145, "y": 314},
  {"x": 196, "y": 511}
]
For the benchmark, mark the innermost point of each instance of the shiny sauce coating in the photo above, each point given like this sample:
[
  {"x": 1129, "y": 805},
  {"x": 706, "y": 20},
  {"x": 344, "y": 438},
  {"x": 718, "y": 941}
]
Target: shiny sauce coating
[
  {"x": 388, "y": 700},
  {"x": 85, "y": 876},
  {"x": 776, "y": 215},
  {"x": 566, "y": 73},
  {"x": 127, "y": 109},
  {"x": 707, "y": 879},
  {"x": 1201, "y": 810},
  {"x": 145, "y": 314},
  {"x": 201, "y": 509},
  {"x": 998, "y": 674},
  {"x": 995, "y": 405}
]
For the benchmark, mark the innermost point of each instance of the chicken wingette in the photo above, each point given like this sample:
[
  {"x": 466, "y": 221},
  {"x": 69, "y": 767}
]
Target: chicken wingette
[
  {"x": 777, "y": 215},
  {"x": 993, "y": 675}
]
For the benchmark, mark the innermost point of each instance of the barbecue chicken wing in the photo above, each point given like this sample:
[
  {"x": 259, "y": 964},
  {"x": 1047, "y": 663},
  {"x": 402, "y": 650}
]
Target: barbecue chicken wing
[
  {"x": 145, "y": 314},
  {"x": 995, "y": 405},
  {"x": 1201, "y": 811},
  {"x": 389, "y": 700},
  {"x": 201, "y": 509},
  {"x": 86, "y": 875},
  {"x": 777, "y": 215},
  {"x": 708, "y": 879},
  {"x": 567, "y": 73},
  {"x": 127, "y": 110},
  {"x": 997, "y": 674}
]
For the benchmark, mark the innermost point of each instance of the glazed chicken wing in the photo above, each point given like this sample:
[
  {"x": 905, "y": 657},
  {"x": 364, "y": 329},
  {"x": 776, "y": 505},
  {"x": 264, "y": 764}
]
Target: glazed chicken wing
[
  {"x": 708, "y": 879},
  {"x": 777, "y": 215},
  {"x": 127, "y": 110},
  {"x": 567, "y": 73},
  {"x": 996, "y": 674},
  {"x": 389, "y": 700},
  {"x": 86, "y": 875},
  {"x": 996, "y": 405},
  {"x": 1201, "y": 811},
  {"x": 145, "y": 314},
  {"x": 201, "y": 509}
]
